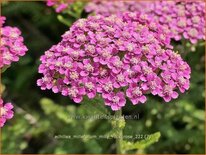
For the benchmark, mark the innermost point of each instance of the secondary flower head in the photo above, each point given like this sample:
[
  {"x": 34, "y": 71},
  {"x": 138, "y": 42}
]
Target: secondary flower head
[
  {"x": 107, "y": 8},
  {"x": 6, "y": 112},
  {"x": 116, "y": 57},
  {"x": 59, "y": 5},
  {"x": 12, "y": 46},
  {"x": 180, "y": 18}
]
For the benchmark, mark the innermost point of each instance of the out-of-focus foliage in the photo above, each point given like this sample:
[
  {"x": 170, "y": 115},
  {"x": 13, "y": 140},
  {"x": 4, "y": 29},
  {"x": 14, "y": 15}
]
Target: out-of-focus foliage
[
  {"x": 43, "y": 119},
  {"x": 143, "y": 143},
  {"x": 72, "y": 13}
]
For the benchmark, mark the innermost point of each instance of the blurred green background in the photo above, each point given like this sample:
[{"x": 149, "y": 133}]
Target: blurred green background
[{"x": 40, "y": 115}]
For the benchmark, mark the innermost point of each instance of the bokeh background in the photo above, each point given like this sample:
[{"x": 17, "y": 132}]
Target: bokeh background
[{"x": 40, "y": 115}]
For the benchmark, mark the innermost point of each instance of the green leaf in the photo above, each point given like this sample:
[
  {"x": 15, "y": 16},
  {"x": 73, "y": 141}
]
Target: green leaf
[
  {"x": 114, "y": 133},
  {"x": 93, "y": 147},
  {"x": 48, "y": 105},
  {"x": 64, "y": 21},
  {"x": 4, "y": 68},
  {"x": 199, "y": 114},
  {"x": 141, "y": 144},
  {"x": 63, "y": 113}
]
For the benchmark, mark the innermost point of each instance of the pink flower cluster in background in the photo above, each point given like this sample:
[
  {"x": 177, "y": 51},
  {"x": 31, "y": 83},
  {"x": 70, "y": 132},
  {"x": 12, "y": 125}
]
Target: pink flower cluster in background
[
  {"x": 6, "y": 112},
  {"x": 60, "y": 5},
  {"x": 12, "y": 46},
  {"x": 2, "y": 20},
  {"x": 107, "y": 8},
  {"x": 116, "y": 57},
  {"x": 181, "y": 19}
]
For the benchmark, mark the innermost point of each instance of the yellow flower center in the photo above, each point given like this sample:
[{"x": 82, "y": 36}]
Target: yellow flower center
[
  {"x": 193, "y": 32},
  {"x": 120, "y": 78},
  {"x": 137, "y": 92},
  {"x": 7, "y": 56},
  {"x": 181, "y": 23},
  {"x": 89, "y": 85},
  {"x": 73, "y": 92},
  {"x": 196, "y": 19},
  {"x": 89, "y": 67},
  {"x": 116, "y": 99},
  {"x": 108, "y": 86},
  {"x": 74, "y": 75},
  {"x": 118, "y": 63}
]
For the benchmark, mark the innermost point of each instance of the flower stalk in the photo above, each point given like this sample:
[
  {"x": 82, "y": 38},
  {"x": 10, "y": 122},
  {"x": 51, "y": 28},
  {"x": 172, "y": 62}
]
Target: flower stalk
[{"x": 119, "y": 138}]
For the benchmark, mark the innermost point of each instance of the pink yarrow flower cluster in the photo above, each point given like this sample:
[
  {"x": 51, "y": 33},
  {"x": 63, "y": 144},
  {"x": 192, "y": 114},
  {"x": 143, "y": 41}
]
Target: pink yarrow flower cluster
[
  {"x": 59, "y": 5},
  {"x": 12, "y": 46},
  {"x": 6, "y": 112},
  {"x": 116, "y": 57},
  {"x": 181, "y": 18},
  {"x": 107, "y": 8},
  {"x": 2, "y": 20}
]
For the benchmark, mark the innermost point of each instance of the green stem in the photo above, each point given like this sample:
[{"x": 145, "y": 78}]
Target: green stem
[
  {"x": 119, "y": 138},
  {"x": 184, "y": 45},
  {"x": 184, "y": 52},
  {"x": 64, "y": 21}
]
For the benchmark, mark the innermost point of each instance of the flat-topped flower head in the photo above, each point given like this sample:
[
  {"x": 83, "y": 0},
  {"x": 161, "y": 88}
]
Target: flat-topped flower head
[
  {"x": 12, "y": 46},
  {"x": 108, "y": 8},
  {"x": 182, "y": 19},
  {"x": 101, "y": 60},
  {"x": 6, "y": 112}
]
